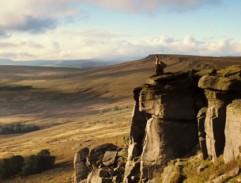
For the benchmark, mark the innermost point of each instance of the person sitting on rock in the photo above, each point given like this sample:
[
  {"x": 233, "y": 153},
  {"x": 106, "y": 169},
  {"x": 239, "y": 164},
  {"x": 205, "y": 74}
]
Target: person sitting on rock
[{"x": 159, "y": 66}]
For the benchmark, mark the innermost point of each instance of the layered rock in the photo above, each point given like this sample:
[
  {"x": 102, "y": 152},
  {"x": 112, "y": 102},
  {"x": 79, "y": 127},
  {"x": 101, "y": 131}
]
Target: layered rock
[
  {"x": 137, "y": 133},
  {"x": 81, "y": 166},
  {"x": 232, "y": 150},
  {"x": 99, "y": 165},
  {"x": 171, "y": 113},
  {"x": 201, "y": 131},
  {"x": 168, "y": 103},
  {"x": 174, "y": 112},
  {"x": 221, "y": 88}
]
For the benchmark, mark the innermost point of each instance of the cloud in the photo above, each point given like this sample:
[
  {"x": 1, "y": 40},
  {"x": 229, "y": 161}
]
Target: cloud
[
  {"x": 149, "y": 6},
  {"x": 35, "y": 16},
  {"x": 2, "y": 33},
  {"x": 103, "y": 44},
  {"x": 34, "y": 25},
  {"x": 40, "y": 16}
]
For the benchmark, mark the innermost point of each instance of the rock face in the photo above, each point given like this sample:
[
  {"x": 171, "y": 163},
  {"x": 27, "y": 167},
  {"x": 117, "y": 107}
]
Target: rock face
[
  {"x": 174, "y": 110},
  {"x": 80, "y": 165},
  {"x": 232, "y": 150},
  {"x": 99, "y": 165},
  {"x": 220, "y": 89},
  {"x": 167, "y": 103},
  {"x": 173, "y": 113}
]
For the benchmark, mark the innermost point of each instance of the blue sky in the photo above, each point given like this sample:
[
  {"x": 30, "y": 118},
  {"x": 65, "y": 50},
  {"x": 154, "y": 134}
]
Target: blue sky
[{"x": 118, "y": 29}]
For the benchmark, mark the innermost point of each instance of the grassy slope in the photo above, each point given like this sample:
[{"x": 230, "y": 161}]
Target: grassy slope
[{"x": 76, "y": 107}]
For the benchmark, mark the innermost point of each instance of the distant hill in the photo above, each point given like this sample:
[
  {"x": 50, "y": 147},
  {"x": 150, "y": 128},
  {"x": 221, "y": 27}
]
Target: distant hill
[{"x": 59, "y": 63}]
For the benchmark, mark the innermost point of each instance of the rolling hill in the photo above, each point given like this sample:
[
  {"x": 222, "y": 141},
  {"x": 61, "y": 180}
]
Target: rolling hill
[{"x": 77, "y": 107}]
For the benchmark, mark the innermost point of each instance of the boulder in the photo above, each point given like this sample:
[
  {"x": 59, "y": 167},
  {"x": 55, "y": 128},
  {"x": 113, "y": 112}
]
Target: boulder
[
  {"x": 81, "y": 155},
  {"x": 227, "y": 79},
  {"x": 105, "y": 172},
  {"x": 164, "y": 141},
  {"x": 109, "y": 158},
  {"x": 232, "y": 150},
  {"x": 201, "y": 131},
  {"x": 171, "y": 173},
  {"x": 215, "y": 121},
  {"x": 173, "y": 100},
  {"x": 137, "y": 133},
  {"x": 81, "y": 172},
  {"x": 96, "y": 154},
  {"x": 166, "y": 77},
  {"x": 81, "y": 168},
  {"x": 94, "y": 177}
]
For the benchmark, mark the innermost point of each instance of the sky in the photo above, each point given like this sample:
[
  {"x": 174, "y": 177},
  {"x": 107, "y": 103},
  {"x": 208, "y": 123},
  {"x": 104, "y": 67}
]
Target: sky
[{"x": 118, "y": 29}]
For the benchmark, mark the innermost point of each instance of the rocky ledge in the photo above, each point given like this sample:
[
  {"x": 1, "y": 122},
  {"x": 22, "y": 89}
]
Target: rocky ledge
[{"x": 174, "y": 114}]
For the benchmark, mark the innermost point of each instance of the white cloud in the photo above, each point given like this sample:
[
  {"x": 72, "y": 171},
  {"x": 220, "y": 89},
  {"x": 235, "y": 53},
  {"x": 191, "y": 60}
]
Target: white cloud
[
  {"x": 39, "y": 16},
  {"x": 35, "y": 16},
  {"x": 18, "y": 18},
  {"x": 149, "y": 6},
  {"x": 100, "y": 43}
]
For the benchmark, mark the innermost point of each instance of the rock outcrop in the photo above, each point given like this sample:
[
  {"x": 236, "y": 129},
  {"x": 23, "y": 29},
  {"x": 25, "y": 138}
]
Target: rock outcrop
[
  {"x": 101, "y": 164},
  {"x": 173, "y": 113},
  {"x": 220, "y": 89},
  {"x": 232, "y": 150},
  {"x": 167, "y": 103},
  {"x": 80, "y": 165}
]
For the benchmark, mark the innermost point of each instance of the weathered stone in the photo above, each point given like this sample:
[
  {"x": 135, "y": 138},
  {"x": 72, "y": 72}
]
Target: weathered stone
[
  {"x": 105, "y": 173},
  {"x": 165, "y": 141},
  {"x": 94, "y": 178},
  {"x": 171, "y": 173},
  {"x": 204, "y": 72},
  {"x": 81, "y": 155},
  {"x": 232, "y": 149},
  {"x": 233, "y": 72},
  {"x": 219, "y": 83},
  {"x": 81, "y": 171},
  {"x": 96, "y": 154},
  {"x": 201, "y": 131},
  {"x": 223, "y": 178},
  {"x": 172, "y": 101},
  {"x": 83, "y": 181},
  {"x": 109, "y": 158},
  {"x": 137, "y": 133},
  {"x": 215, "y": 121},
  {"x": 166, "y": 77},
  {"x": 80, "y": 166}
]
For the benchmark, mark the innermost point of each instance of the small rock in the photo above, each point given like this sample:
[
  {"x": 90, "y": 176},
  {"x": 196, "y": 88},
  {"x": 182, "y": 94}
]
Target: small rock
[{"x": 109, "y": 158}]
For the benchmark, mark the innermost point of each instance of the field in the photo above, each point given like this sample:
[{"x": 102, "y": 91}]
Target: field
[{"x": 76, "y": 108}]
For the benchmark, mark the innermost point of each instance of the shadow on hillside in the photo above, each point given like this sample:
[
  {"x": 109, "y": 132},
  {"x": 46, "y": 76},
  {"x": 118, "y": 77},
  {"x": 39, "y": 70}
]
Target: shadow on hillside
[
  {"x": 118, "y": 73},
  {"x": 43, "y": 101},
  {"x": 65, "y": 164}
]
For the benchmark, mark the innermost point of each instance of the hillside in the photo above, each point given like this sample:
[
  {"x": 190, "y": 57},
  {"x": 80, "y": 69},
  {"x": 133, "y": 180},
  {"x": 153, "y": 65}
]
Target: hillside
[
  {"x": 77, "y": 107},
  {"x": 88, "y": 63}
]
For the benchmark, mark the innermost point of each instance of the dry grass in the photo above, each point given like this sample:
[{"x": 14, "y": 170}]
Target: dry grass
[{"x": 75, "y": 108}]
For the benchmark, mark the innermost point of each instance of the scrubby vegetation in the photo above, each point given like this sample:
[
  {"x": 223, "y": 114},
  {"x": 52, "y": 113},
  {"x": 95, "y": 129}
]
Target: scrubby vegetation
[
  {"x": 15, "y": 88},
  {"x": 34, "y": 164},
  {"x": 11, "y": 167},
  {"x": 197, "y": 170},
  {"x": 38, "y": 163},
  {"x": 17, "y": 128}
]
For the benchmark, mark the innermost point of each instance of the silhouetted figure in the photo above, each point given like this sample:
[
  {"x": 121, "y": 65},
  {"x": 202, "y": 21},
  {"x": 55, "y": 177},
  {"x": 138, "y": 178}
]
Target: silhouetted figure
[{"x": 159, "y": 66}]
